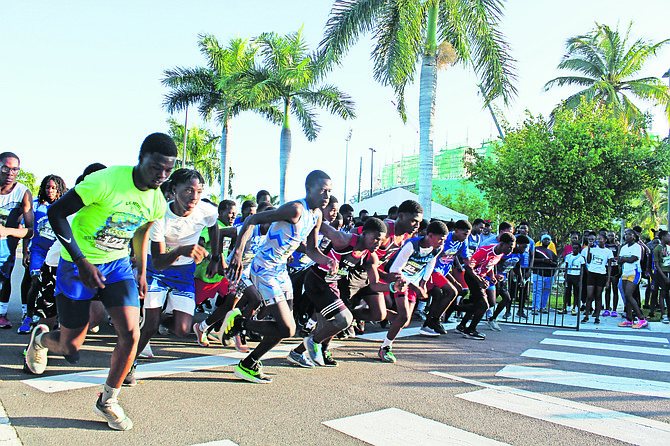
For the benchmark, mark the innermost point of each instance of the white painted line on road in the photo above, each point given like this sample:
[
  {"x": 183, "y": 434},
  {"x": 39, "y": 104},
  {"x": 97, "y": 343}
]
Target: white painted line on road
[
  {"x": 627, "y": 363},
  {"x": 395, "y": 427},
  {"x": 8, "y": 435},
  {"x": 588, "y": 380},
  {"x": 618, "y": 337},
  {"x": 624, "y": 348},
  {"x": 379, "y": 336},
  {"x": 608, "y": 423},
  {"x": 215, "y": 443}
]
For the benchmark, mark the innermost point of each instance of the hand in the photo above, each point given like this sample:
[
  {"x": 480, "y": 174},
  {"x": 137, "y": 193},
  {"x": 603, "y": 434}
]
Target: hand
[
  {"x": 499, "y": 277},
  {"x": 196, "y": 252},
  {"x": 213, "y": 268},
  {"x": 142, "y": 286},
  {"x": 483, "y": 283},
  {"x": 235, "y": 266},
  {"x": 26, "y": 259},
  {"x": 90, "y": 275}
]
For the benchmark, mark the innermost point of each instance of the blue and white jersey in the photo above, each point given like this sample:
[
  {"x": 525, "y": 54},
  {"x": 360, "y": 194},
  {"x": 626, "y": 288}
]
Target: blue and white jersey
[
  {"x": 452, "y": 248},
  {"x": 250, "y": 250},
  {"x": 525, "y": 260},
  {"x": 283, "y": 238},
  {"x": 43, "y": 236},
  {"x": 473, "y": 242},
  {"x": 508, "y": 262}
]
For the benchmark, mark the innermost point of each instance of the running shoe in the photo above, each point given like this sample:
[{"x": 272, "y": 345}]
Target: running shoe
[
  {"x": 163, "y": 330},
  {"x": 574, "y": 311},
  {"x": 25, "y": 325},
  {"x": 328, "y": 359},
  {"x": 436, "y": 325},
  {"x": 460, "y": 328},
  {"x": 200, "y": 335},
  {"x": 241, "y": 343},
  {"x": 147, "y": 352},
  {"x": 314, "y": 351},
  {"x": 544, "y": 311},
  {"x": 425, "y": 330},
  {"x": 521, "y": 315},
  {"x": 359, "y": 328},
  {"x": 474, "y": 334},
  {"x": 36, "y": 357},
  {"x": 129, "y": 380},
  {"x": 507, "y": 315},
  {"x": 113, "y": 413},
  {"x": 641, "y": 323},
  {"x": 596, "y": 321},
  {"x": 386, "y": 355},
  {"x": 536, "y": 312},
  {"x": 665, "y": 320},
  {"x": 232, "y": 323},
  {"x": 585, "y": 320},
  {"x": 606, "y": 313},
  {"x": 254, "y": 374},
  {"x": 626, "y": 323},
  {"x": 300, "y": 360},
  {"x": 4, "y": 322},
  {"x": 613, "y": 313},
  {"x": 493, "y": 325}
]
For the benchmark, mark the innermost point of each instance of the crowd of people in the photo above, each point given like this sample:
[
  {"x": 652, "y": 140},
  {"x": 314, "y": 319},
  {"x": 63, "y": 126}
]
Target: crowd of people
[{"x": 141, "y": 246}]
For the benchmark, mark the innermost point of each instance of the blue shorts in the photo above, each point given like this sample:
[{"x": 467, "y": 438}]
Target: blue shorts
[
  {"x": 37, "y": 257},
  {"x": 272, "y": 282},
  {"x": 175, "y": 285},
  {"x": 118, "y": 271}
]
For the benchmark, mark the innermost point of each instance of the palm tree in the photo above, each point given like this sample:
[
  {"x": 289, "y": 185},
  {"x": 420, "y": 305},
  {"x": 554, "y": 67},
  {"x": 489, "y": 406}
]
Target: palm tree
[
  {"x": 210, "y": 88},
  {"x": 289, "y": 76},
  {"x": 410, "y": 31},
  {"x": 605, "y": 62},
  {"x": 201, "y": 153}
]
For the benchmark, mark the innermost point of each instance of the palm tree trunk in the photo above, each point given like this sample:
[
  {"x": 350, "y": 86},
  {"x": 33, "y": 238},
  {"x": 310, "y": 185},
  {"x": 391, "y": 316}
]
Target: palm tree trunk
[
  {"x": 427, "y": 93},
  {"x": 225, "y": 158},
  {"x": 284, "y": 153}
]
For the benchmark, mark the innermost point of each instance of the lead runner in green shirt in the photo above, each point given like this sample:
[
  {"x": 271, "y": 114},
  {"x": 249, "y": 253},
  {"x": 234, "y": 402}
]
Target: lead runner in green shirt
[{"x": 113, "y": 207}]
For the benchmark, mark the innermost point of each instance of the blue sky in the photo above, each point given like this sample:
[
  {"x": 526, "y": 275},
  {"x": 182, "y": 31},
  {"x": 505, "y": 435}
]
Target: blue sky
[{"x": 80, "y": 82}]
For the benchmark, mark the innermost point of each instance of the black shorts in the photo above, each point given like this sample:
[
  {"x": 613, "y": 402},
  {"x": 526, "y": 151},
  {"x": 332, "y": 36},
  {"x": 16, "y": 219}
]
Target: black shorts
[
  {"x": 596, "y": 280},
  {"x": 325, "y": 296},
  {"x": 45, "y": 301}
]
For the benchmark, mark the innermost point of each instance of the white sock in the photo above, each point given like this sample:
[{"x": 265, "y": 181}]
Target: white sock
[
  {"x": 4, "y": 306},
  {"x": 24, "y": 308},
  {"x": 387, "y": 342},
  {"x": 310, "y": 323},
  {"x": 203, "y": 325},
  {"x": 109, "y": 393}
]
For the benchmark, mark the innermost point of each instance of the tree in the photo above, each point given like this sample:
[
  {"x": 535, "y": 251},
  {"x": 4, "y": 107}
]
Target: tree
[
  {"x": 606, "y": 62},
  {"x": 201, "y": 153},
  {"x": 581, "y": 173},
  {"x": 466, "y": 202},
  {"x": 409, "y": 31},
  {"x": 289, "y": 76},
  {"x": 29, "y": 180},
  {"x": 212, "y": 90}
]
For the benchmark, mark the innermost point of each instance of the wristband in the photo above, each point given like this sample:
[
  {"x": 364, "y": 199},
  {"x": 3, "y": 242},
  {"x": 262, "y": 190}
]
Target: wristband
[{"x": 391, "y": 287}]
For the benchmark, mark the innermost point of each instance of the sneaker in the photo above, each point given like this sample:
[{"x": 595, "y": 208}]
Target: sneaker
[
  {"x": 163, "y": 330},
  {"x": 493, "y": 325},
  {"x": 200, "y": 335},
  {"x": 147, "y": 352},
  {"x": 535, "y": 312},
  {"x": 596, "y": 321},
  {"x": 436, "y": 325},
  {"x": 25, "y": 325},
  {"x": 562, "y": 311},
  {"x": 474, "y": 334},
  {"x": 300, "y": 360},
  {"x": 113, "y": 413},
  {"x": 574, "y": 311},
  {"x": 254, "y": 374},
  {"x": 665, "y": 320},
  {"x": 314, "y": 351},
  {"x": 241, "y": 343},
  {"x": 129, "y": 380},
  {"x": 544, "y": 311},
  {"x": 641, "y": 323},
  {"x": 606, "y": 313},
  {"x": 585, "y": 320},
  {"x": 4, "y": 322},
  {"x": 427, "y": 331},
  {"x": 460, "y": 328},
  {"x": 507, "y": 315},
  {"x": 521, "y": 315},
  {"x": 386, "y": 355},
  {"x": 626, "y": 323},
  {"x": 613, "y": 313},
  {"x": 328, "y": 359},
  {"x": 232, "y": 323},
  {"x": 215, "y": 337},
  {"x": 359, "y": 328},
  {"x": 36, "y": 357},
  {"x": 199, "y": 308}
]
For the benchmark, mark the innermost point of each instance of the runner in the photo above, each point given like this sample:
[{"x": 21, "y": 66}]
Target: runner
[
  {"x": 292, "y": 224},
  {"x": 629, "y": 257},
  {"x": 113, "y": 207},
  {"x": 509, "y": 264},
  {"x": 16, "y": 202}
]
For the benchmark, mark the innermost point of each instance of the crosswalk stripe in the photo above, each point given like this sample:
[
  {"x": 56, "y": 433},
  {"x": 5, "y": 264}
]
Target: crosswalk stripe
[
  {"x": 628, "y": 363},
  {"x": 618, "y": 337},
  {"x": 396, "y": 427},
  {"x": 217, "y": 443},
  {"x": 588, "y": 380},
  {"x": 624, "y": 348},
  {"x": 381, "y": 335},
  {"x": 604, "y": 422}
]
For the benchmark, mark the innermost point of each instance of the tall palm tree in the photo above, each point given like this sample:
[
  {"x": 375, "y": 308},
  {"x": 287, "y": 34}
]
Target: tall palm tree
[
  {"x": 201, "y": 153},
  {"x": 289, "y": 76},
  {"x": 211, "y": 89},
  {"x": 606, "y": 62},
  {"x": 410, "y": 31}
]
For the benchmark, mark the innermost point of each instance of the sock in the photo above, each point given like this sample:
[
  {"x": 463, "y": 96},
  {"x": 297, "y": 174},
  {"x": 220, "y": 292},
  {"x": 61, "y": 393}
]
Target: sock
[
  {"x": 310, "y": 323},
  {"x": 4, "y": 306},
  {"x": 109, "y": 393},
  {"x": 204, "y": 326},
  {"x": 24, "y": 308},
  {"x": 387, "y": 342}
]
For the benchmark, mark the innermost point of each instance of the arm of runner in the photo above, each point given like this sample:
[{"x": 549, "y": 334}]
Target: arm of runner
[
  {"x": 313, "y": 252},
  {"x": 339, "y": 239},
  {"x": 371, "y": 267},
  {"x": 290, "y": 212},
  {"x": 28, "y": 223},
  {"x": 14, "y": 232},
  {"x": 162, "y": 259},
  {"x": 140, "y": 246},
  {"x": 217, "y": 259},
  {"x": 69, "y": 204}
]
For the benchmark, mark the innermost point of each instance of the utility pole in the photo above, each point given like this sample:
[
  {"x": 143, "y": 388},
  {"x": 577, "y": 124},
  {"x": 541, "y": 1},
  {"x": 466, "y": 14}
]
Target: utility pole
[
  {"x": 372, "y": 159},
  {"x": 360, "y": 173},
  {"x": 346, "y": 164},
  {"x": 667, "y": 74},
  {"x": 183, "y": 160}
]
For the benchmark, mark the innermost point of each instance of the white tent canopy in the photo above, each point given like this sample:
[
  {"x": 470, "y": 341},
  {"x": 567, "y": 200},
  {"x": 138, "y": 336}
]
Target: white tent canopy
[{"x": 382, "y": 202}]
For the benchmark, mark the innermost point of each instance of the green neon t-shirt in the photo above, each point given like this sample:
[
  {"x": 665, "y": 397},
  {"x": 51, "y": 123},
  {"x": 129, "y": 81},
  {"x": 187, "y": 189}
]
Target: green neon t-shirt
[{"x": 113, "y": 210}]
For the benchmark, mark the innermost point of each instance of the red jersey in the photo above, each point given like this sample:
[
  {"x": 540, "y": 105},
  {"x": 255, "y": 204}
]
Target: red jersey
[{"x": 484, "y": 259}]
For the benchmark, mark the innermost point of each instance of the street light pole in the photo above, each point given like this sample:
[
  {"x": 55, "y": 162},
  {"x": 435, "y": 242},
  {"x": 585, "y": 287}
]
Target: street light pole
[
  {"x": 346, "y": 164},
  {"x": 372, "y": 159},
  {"x": 667, "y": 74}
]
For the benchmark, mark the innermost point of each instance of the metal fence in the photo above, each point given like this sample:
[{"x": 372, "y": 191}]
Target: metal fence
[{"x": 539, "y": 297}]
